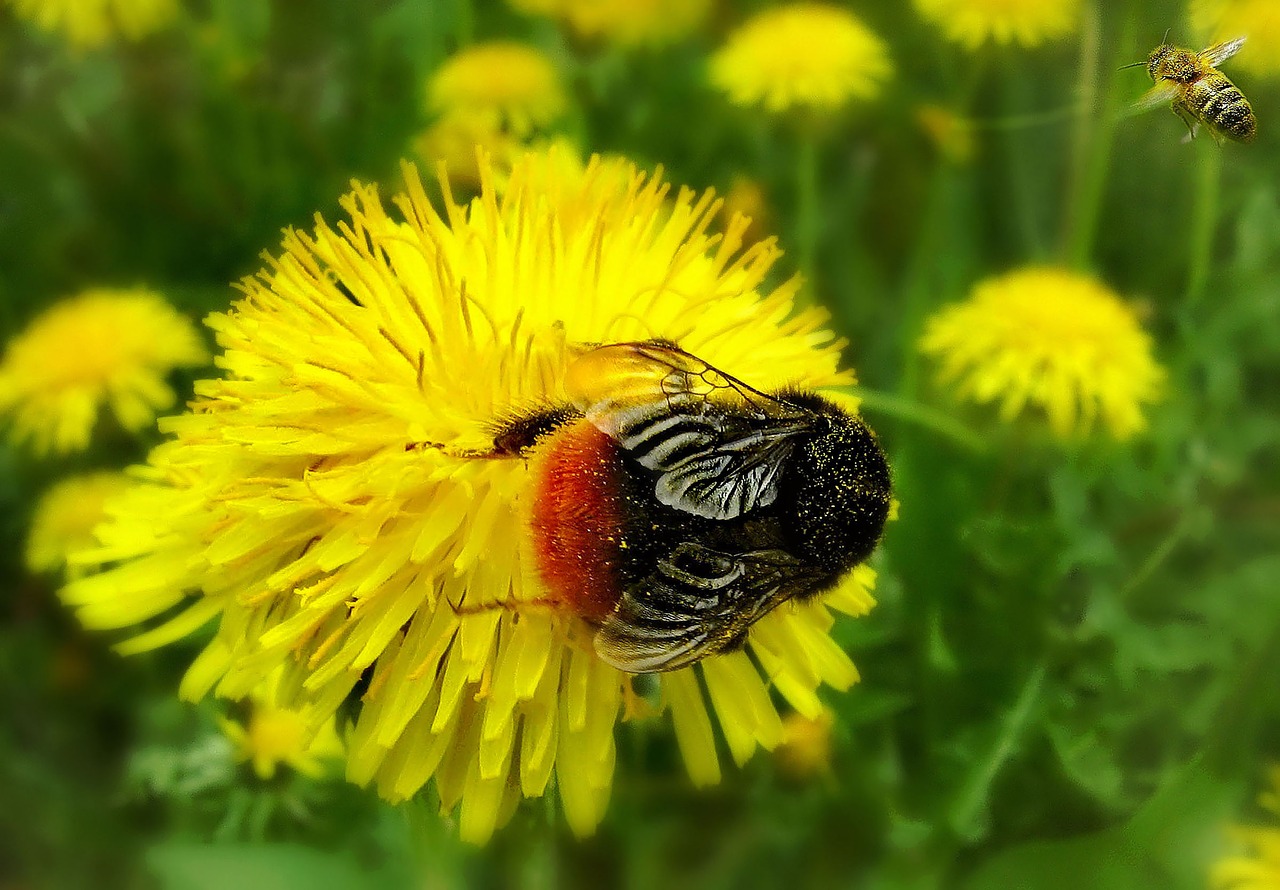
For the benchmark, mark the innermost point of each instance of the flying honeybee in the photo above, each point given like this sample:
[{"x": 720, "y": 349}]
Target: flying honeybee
[
  {"x": 673, "y": 506},
  {"x": 1198, "y": 92}
]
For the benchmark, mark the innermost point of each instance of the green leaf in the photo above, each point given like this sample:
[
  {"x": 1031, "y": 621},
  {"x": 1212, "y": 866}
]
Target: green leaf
[
  {"x": 1169, "y": 843},
  {"x": 191, "y": 866}
]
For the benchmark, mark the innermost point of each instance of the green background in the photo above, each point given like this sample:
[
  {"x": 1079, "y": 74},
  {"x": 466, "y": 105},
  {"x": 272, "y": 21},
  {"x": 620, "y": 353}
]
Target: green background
[{"x": 1070, "y": 680}]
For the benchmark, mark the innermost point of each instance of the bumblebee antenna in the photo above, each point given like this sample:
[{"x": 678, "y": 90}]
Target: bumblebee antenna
[
  {"x": 1132, "y": 65},
  {"x": 1165, "y": 39}
]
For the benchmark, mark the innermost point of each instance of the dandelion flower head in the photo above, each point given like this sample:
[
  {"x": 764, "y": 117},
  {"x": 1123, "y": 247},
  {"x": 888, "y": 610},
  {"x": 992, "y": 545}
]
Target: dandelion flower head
[
  {"x": 1052, "y": 340},
  {"x": 87, "y": 24},
  {"x": 455, "y": 141},
  {"x": 1257, "y": 865},
  {"x": 951, "y": 135},
  {"x": 1215, "y": 21},
  {"x": 801, "y": 55},
  {"x": 1029, "y": 23},
  {"x": 271, "y": 736},
  {"x": 625, "y": 23},
  {"x": 333, "y": 501},
  {"x": 805, "y": 751},
  {"x": 66, "y": 515},
  {"x": 505, "y": 85},
  {"x": 104, "y": 347}
]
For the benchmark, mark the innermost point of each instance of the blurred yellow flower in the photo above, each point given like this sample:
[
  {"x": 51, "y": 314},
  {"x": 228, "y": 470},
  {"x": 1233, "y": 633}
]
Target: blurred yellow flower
[
  {"x": 951, "y": 134},
  {"x": 802, "y": 55},
  {"x": 1215, "y": 21},
  {"x": 454, "y": 140},
  {"x": 624, "y": 22},
  {"x": 102, "y": 347},
  {"x": 1257, "y": 866},
  {"x": 86, "y": 24},
  {"x": 325, "y": 503},
  {"x": 271, "y": 736},
  {"x": 805, "y": 751},
  {"x": 1027, "y": 22},
  {"x": 746, "y": 197},
  {"x": 502, "y": 86},
  {"x": 65, "y": 516},
  {"x": 1052, "y": 339}
]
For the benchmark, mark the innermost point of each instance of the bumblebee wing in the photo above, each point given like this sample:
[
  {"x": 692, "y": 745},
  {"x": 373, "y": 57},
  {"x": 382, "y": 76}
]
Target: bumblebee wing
[
  {"x": 1162, "y": 93},
  {"x": 698, "y": 602},
  {"x": 1220, "y": 52},
  {"x": 718, "y": 445}
]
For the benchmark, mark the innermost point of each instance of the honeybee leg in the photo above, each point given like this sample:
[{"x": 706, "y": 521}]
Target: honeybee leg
[{"x": 1186, "y": 119}]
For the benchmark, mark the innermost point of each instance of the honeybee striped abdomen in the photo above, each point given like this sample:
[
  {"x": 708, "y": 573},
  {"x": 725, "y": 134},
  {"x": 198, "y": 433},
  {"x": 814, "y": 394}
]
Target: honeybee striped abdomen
[{"x": 1219, "y": 102}]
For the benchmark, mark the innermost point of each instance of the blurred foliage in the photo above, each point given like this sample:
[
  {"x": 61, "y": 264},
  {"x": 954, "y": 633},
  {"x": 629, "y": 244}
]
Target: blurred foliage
[{"x": 1070, "y": 680}]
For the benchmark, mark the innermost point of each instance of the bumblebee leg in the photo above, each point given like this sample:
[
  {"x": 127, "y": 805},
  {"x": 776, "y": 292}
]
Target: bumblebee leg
[{"x": 504, "y": 606}]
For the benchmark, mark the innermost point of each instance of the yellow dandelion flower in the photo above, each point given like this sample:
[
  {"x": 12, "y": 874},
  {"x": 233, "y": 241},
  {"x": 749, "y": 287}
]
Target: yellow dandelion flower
[
  {"x": 805, "y": 751},
  {"x": 454, "y": 140},
  {"x": 1257, "y": 866},
  {"x": 272, "y": 735},
  {"x": 952, "y": 135},
  {"x": 66, "y": 515},
  {"x": 746, "y": 198},
  {"x": 102, "y": 347},
  {"x": 1052, "y": 339},
  {"x": 87, "y": 24},
  {"x": 625, "y": 23},
  {"x": 335, "y": 501},
  {"x": 803, "y": 55},
  {"x": 505, "y": 85},
  {"x": 1029, "y": 23},
  {"x": 1217, "y": 20}
]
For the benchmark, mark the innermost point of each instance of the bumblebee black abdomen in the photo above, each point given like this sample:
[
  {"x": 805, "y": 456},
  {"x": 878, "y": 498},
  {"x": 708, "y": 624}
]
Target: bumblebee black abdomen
[
  {"x": 1218, "y": 102},
  {"x": 838, "y": 495}
]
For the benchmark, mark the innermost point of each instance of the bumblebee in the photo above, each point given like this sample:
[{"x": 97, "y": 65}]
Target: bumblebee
[
  {"x": 673, "y": 505},
  {"x": 1198, "y": 92}
]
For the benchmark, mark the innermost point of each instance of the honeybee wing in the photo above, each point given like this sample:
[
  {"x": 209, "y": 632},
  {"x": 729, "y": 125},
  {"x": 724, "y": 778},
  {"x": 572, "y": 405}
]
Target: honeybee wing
[
  {"x": 1220, "y": 52},
  {"x": 718, "y": 445},
  {"x": 1164, "y": 92},
  {"x": 698, "y": 602}
]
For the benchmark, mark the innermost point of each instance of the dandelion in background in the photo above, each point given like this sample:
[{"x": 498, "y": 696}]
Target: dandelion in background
[
  {"x": 329, "y": 503},
  {"x": 811, "y": 60},
  {"x": 805, "y": 752},
  {"x": 102, "y": 348},
  {"x": 1257, "y": 865},
  {"x": 746, "y": 197},
  {"x": 505, "y": 86},
  {"x": 66, "y": 515},
  {"x": 271, "y": 736},
  {"x": 1048, "y": 339},
  {"x": 1029, "y": 23},
  {"x": 951, "y": 135},
  {"x": 1216, "y": 21},
  {"x": 624, "y": 23},
  {"x": 455, "y": 139},
  {"x": 803, "y": 55},
  {"x": 87, "y": 24}
]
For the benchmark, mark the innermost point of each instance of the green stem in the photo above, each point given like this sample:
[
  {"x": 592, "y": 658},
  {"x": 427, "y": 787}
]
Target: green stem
[
  {"x": 918, "y": 287},
  {"x": 809, "y": 222},
  {"x": 918, "y": 281},
  {"x": 1092, "y": 145},
  {"x": 1204, "y": 217},
  {"x": 1165, "y": 549},
  {"x": 901, "y": 408},
  {"x": 466, "y": 23},
  {"x": 976, "y": 788}
]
